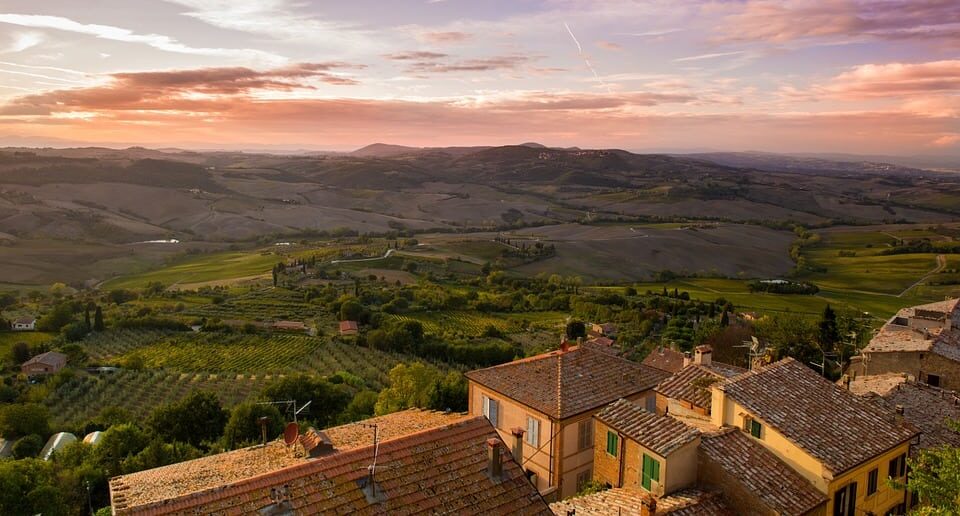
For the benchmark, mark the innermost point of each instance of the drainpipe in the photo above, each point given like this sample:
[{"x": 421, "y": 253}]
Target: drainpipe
[{"x": 622, "y": 457}]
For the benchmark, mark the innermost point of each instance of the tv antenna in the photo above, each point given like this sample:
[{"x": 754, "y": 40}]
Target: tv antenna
[
  {"x": 370, "y": 488},
  {"x": 291, "y": 406},
  {"x": 755, "y": 350}
]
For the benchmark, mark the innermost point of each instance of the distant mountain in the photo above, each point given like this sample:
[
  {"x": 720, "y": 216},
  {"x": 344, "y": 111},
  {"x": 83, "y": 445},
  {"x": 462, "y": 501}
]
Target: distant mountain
[
  {"x": 384, "y": 150},
  {"x": 800, "y": 164}
]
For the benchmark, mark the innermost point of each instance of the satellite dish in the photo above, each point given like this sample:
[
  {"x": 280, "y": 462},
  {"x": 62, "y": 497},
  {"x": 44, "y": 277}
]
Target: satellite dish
[{"x": 291, "y": 433}]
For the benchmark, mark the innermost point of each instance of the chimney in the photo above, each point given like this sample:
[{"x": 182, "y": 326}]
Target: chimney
[
  {"x": 648, "y": 506},
  {"x": 263, "y": 429},
  {"x": 579, "y": 341},
  {"x": 686, "y": 359},
  {"x": 846, "y": 382},
  {"x": 899, "y": 410},
  {"x": 495, "y": 461},
  {"x": 518, "y": 444},
  {"x": 564, "y": 345},
  {"x": 704, "y": 355}
]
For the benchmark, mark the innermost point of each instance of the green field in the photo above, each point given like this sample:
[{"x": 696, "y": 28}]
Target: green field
[
  {"x": 203, "y": 268},
  {"x": 239, "y": 354},
  {"x": 9, "y": 338}
]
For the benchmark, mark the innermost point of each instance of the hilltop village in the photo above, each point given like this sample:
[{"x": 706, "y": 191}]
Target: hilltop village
[{"x": 583, "y": 431}]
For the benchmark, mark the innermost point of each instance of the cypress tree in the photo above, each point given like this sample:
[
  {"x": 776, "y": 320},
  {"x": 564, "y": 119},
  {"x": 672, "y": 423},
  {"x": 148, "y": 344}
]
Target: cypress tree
[{"x": 98, "y": 319}]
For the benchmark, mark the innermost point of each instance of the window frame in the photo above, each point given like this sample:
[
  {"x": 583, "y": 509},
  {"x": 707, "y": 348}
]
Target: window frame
[
  {"x": 847, "y": 494},
  {"x": 532, "y": 437},
  {"x": 648, "y": 476},
  {"x": 873, "y": 481},
  {"x": 756, "y": 428},
  {"x": 585, "y": 434},
  {"x": 897, "y": 467},
  {"x": 487, "y": 402},
  {"x": 613, "y": 439}
]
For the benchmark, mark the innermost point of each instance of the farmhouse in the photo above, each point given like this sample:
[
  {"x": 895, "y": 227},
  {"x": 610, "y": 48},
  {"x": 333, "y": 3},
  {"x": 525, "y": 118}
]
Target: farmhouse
[
  {"x": 921, "y": 341},
  {"x": 50, "y": 362},
  {"x": 479, "y": 476},
  {"x": 549, "y": 400},
  {"x": 24, "y": 324},
  {"x": 687, "y": 393},
  {"x": 349, "y": 328}
]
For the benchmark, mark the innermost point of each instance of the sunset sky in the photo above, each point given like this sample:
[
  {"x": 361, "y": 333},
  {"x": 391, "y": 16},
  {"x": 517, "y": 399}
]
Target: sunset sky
[{"x": 868, "y": 76}]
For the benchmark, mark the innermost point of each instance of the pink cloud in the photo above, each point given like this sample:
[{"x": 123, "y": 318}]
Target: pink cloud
[
  {"x": 609, "y": 45},
  {"x": 445, "y": 37}
]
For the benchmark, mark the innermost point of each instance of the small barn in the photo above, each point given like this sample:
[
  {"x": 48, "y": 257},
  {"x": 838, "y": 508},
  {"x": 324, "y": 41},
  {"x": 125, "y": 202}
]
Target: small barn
[
  {"x": 349, "y": 328},
  {"x": 50, "y": 362},
  {"x": 289, "y": 326},
  {"x": 24, "y": 324}
]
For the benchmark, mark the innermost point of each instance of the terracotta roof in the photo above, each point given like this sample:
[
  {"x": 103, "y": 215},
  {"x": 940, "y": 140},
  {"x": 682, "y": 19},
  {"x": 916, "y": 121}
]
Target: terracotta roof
[
  {"x": 602, "y": 341},
  {"x": 926, "y": 407},
  {"x": 51, "y": 358},
  {"x": 691, "y": 384},
  {"x": 563, "y": 384},
  {"x": 665, "y": 359},
  {"x": 833, "y": 425},
  {"x": 627, "y": 501},
  {"x": 897, "y": 336},
  {"x": 438, "y": 471},
  {"x": 348, "y": 325},
  {"x": 662, "y": 434},
  {"x": 180, "y": 479},
  {"x": 760, "y": 472}
]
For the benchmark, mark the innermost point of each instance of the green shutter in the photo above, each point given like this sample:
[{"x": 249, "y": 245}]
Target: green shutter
[
  {"x": 612, "y": 443},
  {"x": 755, "y": 429},
  {"x": 651, "y": 471}
]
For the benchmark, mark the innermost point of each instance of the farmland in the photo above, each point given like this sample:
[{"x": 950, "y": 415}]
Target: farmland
[
  {"x": 474, "y": 324},
  {"x": 239, "y": 354}
]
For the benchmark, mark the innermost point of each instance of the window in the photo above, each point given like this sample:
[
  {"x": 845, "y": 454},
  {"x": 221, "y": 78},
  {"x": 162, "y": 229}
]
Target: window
[
  {"x": 651, "y": 403},
  {"x": 755, "y": 428},
  {"x": 898, "y": 466},
  {"x": 933, "y": 379},
  {"x": 491, "y": 410},
  {"x": 584, "y": 478},
  {"x": 613, "y": 443},
  {"x": 845, "y": 500},
  {"x": 651, "y": 472},
  {"x": 585, "y": 434},
  {"x": 533, "y": 432},
  {"x": 872, "y": 481}
]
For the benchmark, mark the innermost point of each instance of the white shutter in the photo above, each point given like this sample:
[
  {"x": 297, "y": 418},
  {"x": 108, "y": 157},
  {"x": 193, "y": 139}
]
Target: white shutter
[
  {"x": 494, "y": 411},
  {"x": 533, "y": 431}
]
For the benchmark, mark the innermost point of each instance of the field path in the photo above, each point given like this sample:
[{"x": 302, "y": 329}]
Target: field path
[
  {"x": 941, "y": 264},
  {"x": 385, "y": 255}
]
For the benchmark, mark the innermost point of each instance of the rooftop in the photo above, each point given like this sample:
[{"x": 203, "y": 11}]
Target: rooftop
[
  {"x": 48, "y": 358},
  {"x": 928, "y": 408},
  {"x": 627, "y": 500},
  {"x": 897, "y": 336},
  {"x": 566, "y": 383},
  {"x": 662, "y": 434},
  {"x": 760, "y": 472},
  {"x": 831, "y": 424},
  {"x": 439, "y": 470},
  {"x": 692, "y": 383},
  {"x": 177, "y": 480},
  {"x": 665, "y": 359}
]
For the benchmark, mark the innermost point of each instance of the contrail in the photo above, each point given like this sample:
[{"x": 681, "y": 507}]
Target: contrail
[{"x": 585, "y": 59}]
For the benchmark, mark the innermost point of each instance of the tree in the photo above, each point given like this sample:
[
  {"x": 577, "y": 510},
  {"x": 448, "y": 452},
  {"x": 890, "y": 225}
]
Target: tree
[
  {"x": 19, "y": 420},
  {"x": 60, "y": 316},
  {"x": 725, "y": 319},
  {"x": 98, "y": 319},
  {"x": 450, "y": 393},
  {"x": 575, "y": 329},
  {"x": 361, "y": 406},
  {"x": 411, "y": 385},
  {"x": 828, "y": 334},
  {"x": 74, "y": 331},
  {"x": 116, "y": 445},
  {"x": 328, "y": 399},
  {"x": 199, "y": 418},
  {"x": 157, "y": 454},
  {"x": 935, "y": 477},
  {"x": 28, "y": 446},
  {"x": 351, "y": 310},
  {"x": 20, "y": 353},
  {"x": 243, "y": 428}
]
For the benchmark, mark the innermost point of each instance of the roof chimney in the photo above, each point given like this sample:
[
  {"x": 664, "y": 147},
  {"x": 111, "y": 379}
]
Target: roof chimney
[
  {"x": 899, "y": 410},
  {"x": 518, "y": 444},
  {"x": 495, "y": 461},
  {"x": 648, "y": 506},
  {"x": 579, "y": 341},
  {"x": 845, "y": 381},
  {"x": 263, "y": 429},
  {"x": 703, "y": 356},
  {"x": 687, "y": 360},
  {"x": 564, "y": 345}
]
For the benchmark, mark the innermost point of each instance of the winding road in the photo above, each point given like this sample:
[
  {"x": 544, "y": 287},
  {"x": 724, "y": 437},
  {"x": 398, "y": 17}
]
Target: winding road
[{"x": 941, "y": 264}]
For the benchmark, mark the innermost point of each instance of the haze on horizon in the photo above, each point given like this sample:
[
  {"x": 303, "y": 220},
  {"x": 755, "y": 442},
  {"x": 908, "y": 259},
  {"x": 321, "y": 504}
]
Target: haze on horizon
[{"x": 855, "y": 76}]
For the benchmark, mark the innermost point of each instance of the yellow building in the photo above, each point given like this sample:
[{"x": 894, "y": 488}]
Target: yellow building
[
  {"x": 549, "y": 400},
  {"x": 845, "y": 446}
]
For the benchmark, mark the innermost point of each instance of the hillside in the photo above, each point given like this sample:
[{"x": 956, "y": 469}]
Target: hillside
[{"x": 109, "y": 200}]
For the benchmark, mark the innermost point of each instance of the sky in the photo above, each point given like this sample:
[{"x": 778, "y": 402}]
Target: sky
[{"x": 852, "y": 76}]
